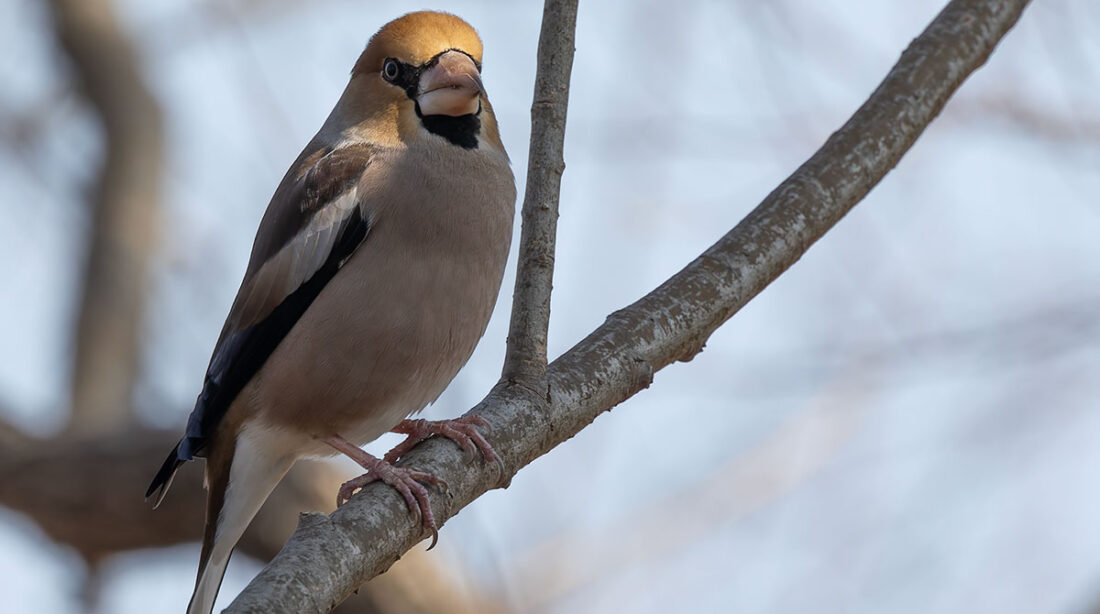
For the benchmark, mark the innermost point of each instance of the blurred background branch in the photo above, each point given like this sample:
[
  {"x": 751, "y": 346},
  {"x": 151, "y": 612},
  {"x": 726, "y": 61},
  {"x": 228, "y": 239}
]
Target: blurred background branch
[{"x": 125, "y": 219}]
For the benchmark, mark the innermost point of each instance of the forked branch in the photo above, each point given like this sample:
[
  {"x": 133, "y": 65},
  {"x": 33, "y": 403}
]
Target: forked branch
[{"x": 330, "y": 556}]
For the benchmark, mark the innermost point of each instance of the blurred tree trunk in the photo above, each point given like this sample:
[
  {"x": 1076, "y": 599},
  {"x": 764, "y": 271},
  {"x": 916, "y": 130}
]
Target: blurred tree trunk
[{"x": 125, "y": 213}]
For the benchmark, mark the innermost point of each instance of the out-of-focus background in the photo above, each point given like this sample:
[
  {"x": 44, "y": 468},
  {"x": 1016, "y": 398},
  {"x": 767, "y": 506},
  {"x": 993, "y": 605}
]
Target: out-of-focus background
[{"x": 906, "y": 421}]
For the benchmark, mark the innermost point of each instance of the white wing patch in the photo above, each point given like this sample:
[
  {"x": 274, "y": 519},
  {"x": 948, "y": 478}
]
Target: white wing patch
[{"x": 295, "y": 263}]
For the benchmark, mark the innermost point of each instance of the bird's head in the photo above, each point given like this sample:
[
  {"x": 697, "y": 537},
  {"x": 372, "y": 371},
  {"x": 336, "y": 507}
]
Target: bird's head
[{"x": 422, "y": 76}]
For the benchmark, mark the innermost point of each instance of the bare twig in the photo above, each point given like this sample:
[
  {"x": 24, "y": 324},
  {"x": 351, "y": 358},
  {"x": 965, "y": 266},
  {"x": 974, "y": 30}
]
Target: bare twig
[
  {"x": 525, "y": 361},
  {"x": 328, "y": 557}
]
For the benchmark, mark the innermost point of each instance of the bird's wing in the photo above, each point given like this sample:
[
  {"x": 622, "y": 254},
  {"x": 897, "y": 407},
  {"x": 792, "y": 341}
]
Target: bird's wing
[
  {"x": 313, "y": 224},
  {"x": 302, "y": 228}
]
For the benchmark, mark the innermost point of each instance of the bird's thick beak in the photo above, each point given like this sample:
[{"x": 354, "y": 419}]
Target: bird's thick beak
[{"x": 452, "y": 86}]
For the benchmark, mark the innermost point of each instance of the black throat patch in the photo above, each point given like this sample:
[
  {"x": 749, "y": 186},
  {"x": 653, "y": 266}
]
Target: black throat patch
[{"x": 461, "y": 130}]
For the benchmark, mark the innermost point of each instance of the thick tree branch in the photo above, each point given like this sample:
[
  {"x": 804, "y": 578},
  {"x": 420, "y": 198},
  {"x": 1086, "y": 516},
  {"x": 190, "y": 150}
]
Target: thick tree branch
[
  {"x": 328, "y": 557},
  {"x": 525, "y": 360}
]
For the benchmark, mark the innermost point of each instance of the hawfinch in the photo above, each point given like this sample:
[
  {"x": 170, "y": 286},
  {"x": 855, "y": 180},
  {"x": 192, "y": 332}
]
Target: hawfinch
[{"x": 373, "y": 275}]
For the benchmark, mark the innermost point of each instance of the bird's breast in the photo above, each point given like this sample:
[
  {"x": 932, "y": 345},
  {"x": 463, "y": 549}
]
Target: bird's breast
[{"x": 396, "y": 323}]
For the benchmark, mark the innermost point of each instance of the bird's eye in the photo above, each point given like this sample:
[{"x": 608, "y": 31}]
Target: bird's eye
[{"x": 390, "y": 70}]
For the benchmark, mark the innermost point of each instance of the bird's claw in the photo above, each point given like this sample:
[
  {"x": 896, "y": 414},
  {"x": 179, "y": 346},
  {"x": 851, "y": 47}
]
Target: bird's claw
[
  {"x": 463, "y": 431},
  {"x": 408, "y": 483}
]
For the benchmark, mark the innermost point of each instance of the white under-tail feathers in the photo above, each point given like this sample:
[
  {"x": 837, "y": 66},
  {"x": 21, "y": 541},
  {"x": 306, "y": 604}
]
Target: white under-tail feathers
[{"x": 255, "y": 470}]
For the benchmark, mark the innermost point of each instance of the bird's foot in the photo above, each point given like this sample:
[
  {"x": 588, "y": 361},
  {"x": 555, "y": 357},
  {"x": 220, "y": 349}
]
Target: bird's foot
[
  {"x": 462, "y": 431},
  {"x": 408, "y": 482}
]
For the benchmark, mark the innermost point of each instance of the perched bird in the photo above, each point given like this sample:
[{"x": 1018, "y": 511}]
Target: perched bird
[{"x": 373, "y": 275}]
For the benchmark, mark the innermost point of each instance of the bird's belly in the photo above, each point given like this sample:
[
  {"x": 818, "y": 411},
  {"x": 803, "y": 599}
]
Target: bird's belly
[{"x": 382, "y": 340}]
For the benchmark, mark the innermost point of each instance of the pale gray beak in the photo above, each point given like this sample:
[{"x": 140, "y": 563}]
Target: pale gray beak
[{"x": 450, "y": 87}]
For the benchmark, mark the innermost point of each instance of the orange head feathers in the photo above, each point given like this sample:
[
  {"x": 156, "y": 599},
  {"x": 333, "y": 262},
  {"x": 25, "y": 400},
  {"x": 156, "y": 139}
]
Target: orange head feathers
[
  {"x": 421, "y": 73},
  {"x": 418, "y": 37}
]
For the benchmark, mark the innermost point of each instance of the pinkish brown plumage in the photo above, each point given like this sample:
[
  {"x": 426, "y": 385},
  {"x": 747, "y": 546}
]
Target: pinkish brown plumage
[{"x": 373, "y": 275}]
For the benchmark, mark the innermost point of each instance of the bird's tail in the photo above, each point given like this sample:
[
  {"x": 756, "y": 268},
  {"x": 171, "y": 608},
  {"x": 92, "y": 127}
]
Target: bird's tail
[
  {"x": 163, "y": 480},
  {"x": 238, "y": 481}
]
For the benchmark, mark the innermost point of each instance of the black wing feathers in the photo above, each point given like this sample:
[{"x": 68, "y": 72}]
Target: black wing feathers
[
  {"x": 242, "y": 353},
  {"x": 316, "y": 198}
]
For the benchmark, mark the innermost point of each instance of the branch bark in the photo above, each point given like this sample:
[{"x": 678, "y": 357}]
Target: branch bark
[
  {"x": 328, "y": 557},
  {"x": 525, "y": 358}
]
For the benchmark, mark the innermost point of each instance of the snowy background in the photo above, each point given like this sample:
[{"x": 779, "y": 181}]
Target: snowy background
[{"x": 907, "y": 421}]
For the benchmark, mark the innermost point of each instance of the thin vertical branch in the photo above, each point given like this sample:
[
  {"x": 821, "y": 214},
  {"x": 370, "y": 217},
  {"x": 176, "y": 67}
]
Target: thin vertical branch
[{"x": 525, "y": 361}]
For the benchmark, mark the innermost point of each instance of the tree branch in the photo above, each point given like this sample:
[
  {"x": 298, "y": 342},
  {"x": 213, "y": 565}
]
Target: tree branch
[
  {"x": 328, "y": 557},
  {"x": 525, "y": 359}
]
